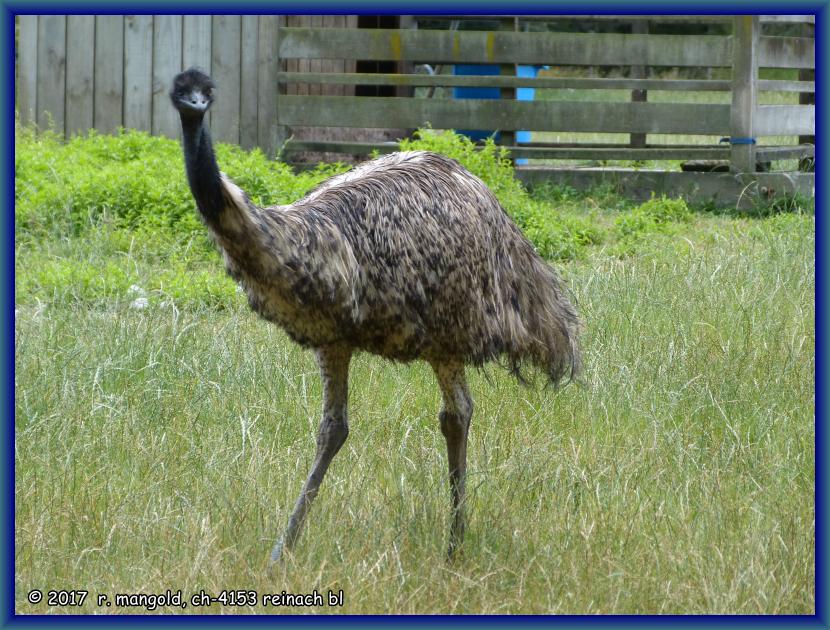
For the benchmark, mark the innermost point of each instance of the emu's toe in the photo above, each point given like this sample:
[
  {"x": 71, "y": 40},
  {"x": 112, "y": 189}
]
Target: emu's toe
[{"x": 276, "y": 552}]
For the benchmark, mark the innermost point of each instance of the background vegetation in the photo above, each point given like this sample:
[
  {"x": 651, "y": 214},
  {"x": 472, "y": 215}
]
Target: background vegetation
[{"x": 163, "y": 431}]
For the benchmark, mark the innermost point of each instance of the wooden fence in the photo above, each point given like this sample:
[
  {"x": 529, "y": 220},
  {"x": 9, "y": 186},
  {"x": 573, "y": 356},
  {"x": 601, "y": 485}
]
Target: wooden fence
[
  {"x": 739, "y": 134},
  {"x": 79, "y": 72},
  {"x": 277, "y": 77}
]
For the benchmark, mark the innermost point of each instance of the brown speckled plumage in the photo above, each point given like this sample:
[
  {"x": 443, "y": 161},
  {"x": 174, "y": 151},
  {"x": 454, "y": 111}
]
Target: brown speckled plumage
[{"x": 408, "y": 256}]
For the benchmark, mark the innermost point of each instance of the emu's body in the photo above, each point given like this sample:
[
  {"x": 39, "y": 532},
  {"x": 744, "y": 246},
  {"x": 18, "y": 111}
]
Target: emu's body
[{"x": 408, "y": 256}]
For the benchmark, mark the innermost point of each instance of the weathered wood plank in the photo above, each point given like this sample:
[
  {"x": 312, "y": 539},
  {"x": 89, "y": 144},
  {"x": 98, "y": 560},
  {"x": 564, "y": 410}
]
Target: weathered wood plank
[
  {"x": 80, "y": 63},
  {"x": 377, "y": 112},
  {"x": 51, "y": 71},
  {"x": 295, "y": 65},
  {"x": 27, "y": 69},
  {"x": 788, "y": 19},
  {"x": 668, "y": 19},
  {"x": 138, "y": 72},
  {"x": 744, "y": 92},
  {"x": 109, "y": 72},
  {"x": 722, "y": 188},
  {"x": 787, "y": 52},
  {"x": 452, "y": 80},
  {"x": 196, "y": 42},
  {"x": 638, "y": 95},
  {"x": 248, "y": 82},
  {"x": 334, "y": 66},
  {"x": 506, "y": 47},
  {"x": 225, "y": 60},
  {"x": 807, "y": 98},
  {"x": 765, "y": 153},
  {"x": 167, "y": 61},
  {"x": 269, "y": 136},
  {"x": 315, "y": 65},
  {"x": 785, "y": 120},
  {"x": 787, "y": 86},
  {"x": 560, "y": 153}
]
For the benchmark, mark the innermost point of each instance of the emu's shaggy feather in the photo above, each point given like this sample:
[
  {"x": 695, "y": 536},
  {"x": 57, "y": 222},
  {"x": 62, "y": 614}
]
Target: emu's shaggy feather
[{"x": 407, "y": 256}]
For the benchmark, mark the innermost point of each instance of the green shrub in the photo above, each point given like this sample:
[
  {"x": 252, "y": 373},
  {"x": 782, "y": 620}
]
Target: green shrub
[
  {"x": 132, "y": 178},
  {"x": 137, "y": 182},
  {"x": 658, "y": 215}
]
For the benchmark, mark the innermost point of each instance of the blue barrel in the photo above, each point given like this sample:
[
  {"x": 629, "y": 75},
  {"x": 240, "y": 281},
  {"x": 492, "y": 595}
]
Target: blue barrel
[{"x": 522, "y": 94}]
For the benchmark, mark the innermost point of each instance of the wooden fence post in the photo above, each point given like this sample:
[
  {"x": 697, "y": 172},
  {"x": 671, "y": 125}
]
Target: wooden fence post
[
  {"x": 270, "y": 134},
  {"x": 508, "y": 136},
  {"x": 108, "y": 97},
  {"x": 639, "y": 27},
  {"x": 745, "y": 40},
  {"x": 138, "y": 72},
  {"x": 80, "y": 73},
  {"x": 807, "y": 98},
  {"x": 51, "y": 72},
  {"x": 27, "y": 69}
]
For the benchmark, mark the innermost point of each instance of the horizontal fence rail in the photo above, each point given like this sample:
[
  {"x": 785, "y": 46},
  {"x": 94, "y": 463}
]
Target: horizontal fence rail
[
  {"x": 450, "y": 80},
  {"x": 579, "y": 49},
  {"x": 657, "y": 19},
  {"x": 670, "y": 118}
]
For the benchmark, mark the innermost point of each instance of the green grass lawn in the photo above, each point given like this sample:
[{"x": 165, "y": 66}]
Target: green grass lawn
[{"x": 163, "y": 447}]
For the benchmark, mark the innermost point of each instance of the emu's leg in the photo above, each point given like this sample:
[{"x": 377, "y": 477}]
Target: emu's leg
[
  {"x": 332, "y": 433},
  {"x": 455, "y": 424}
]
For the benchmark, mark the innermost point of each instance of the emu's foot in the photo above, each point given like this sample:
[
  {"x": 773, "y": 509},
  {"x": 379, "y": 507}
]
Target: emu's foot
[
  {"x": 454, "y": 551},
  {"x": 277, "y": 553}
]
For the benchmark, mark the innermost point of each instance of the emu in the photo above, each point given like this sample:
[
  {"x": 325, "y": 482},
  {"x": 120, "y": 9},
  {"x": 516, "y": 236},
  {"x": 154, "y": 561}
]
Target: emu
[{"x": 408, "y": 256}]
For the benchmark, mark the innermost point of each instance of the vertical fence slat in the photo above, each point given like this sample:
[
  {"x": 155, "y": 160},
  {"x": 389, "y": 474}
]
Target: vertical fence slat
[
  {"x": 508, "y": 136},
  {"x": 196, "y": 42},
  {"x": 80, "y": 60},
  {"x": 167, "y": 62},
  {"x": 225, "y": 67},
  {"x": 638, "y": 27},
  {"x": 315, "y": 65},
  {"x": 27, "y": 69},
  {"x": 196, "y": 39},
  {"x": 51, "y": 71},
  {"x": 248, "y": 82},
  {"x": 744, "y": 91},
  {"x": 298, "y": 65},
  {"x": 269, "y": 135},
  {"x": 807, "y": 98},
  {"x": 291, "y": 65},
  {"x": 138, "y": 72},
  {"x": 109, "y": 72},
  {"x": 333, "y": 65}
]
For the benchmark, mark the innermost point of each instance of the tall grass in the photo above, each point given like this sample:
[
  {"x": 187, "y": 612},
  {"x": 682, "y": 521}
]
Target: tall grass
[
  {"x": 160, "y": 444},
  {"x": 163, "y": 448}
]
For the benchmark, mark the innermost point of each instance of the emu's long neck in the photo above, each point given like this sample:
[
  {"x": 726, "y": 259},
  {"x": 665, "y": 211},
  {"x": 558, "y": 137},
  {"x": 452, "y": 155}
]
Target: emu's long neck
[{"x": 202, "y": 170}]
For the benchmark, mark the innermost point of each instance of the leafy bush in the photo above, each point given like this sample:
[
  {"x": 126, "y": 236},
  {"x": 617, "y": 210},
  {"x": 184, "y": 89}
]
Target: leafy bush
[
  {"x": 132, "y": 178},
  {"x": 658, "y": 215},
  {"x": 137, "y": 182}
]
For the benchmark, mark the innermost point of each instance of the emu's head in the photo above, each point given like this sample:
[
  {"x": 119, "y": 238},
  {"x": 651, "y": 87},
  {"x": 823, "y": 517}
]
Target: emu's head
[{"x": 192, "y": 93}]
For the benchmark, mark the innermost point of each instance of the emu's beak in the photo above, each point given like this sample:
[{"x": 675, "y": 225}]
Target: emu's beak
[{"x": 196, "y": 101}]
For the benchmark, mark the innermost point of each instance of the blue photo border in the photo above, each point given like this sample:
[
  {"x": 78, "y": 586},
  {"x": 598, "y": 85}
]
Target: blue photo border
[{"x": 9, "y": 9}]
